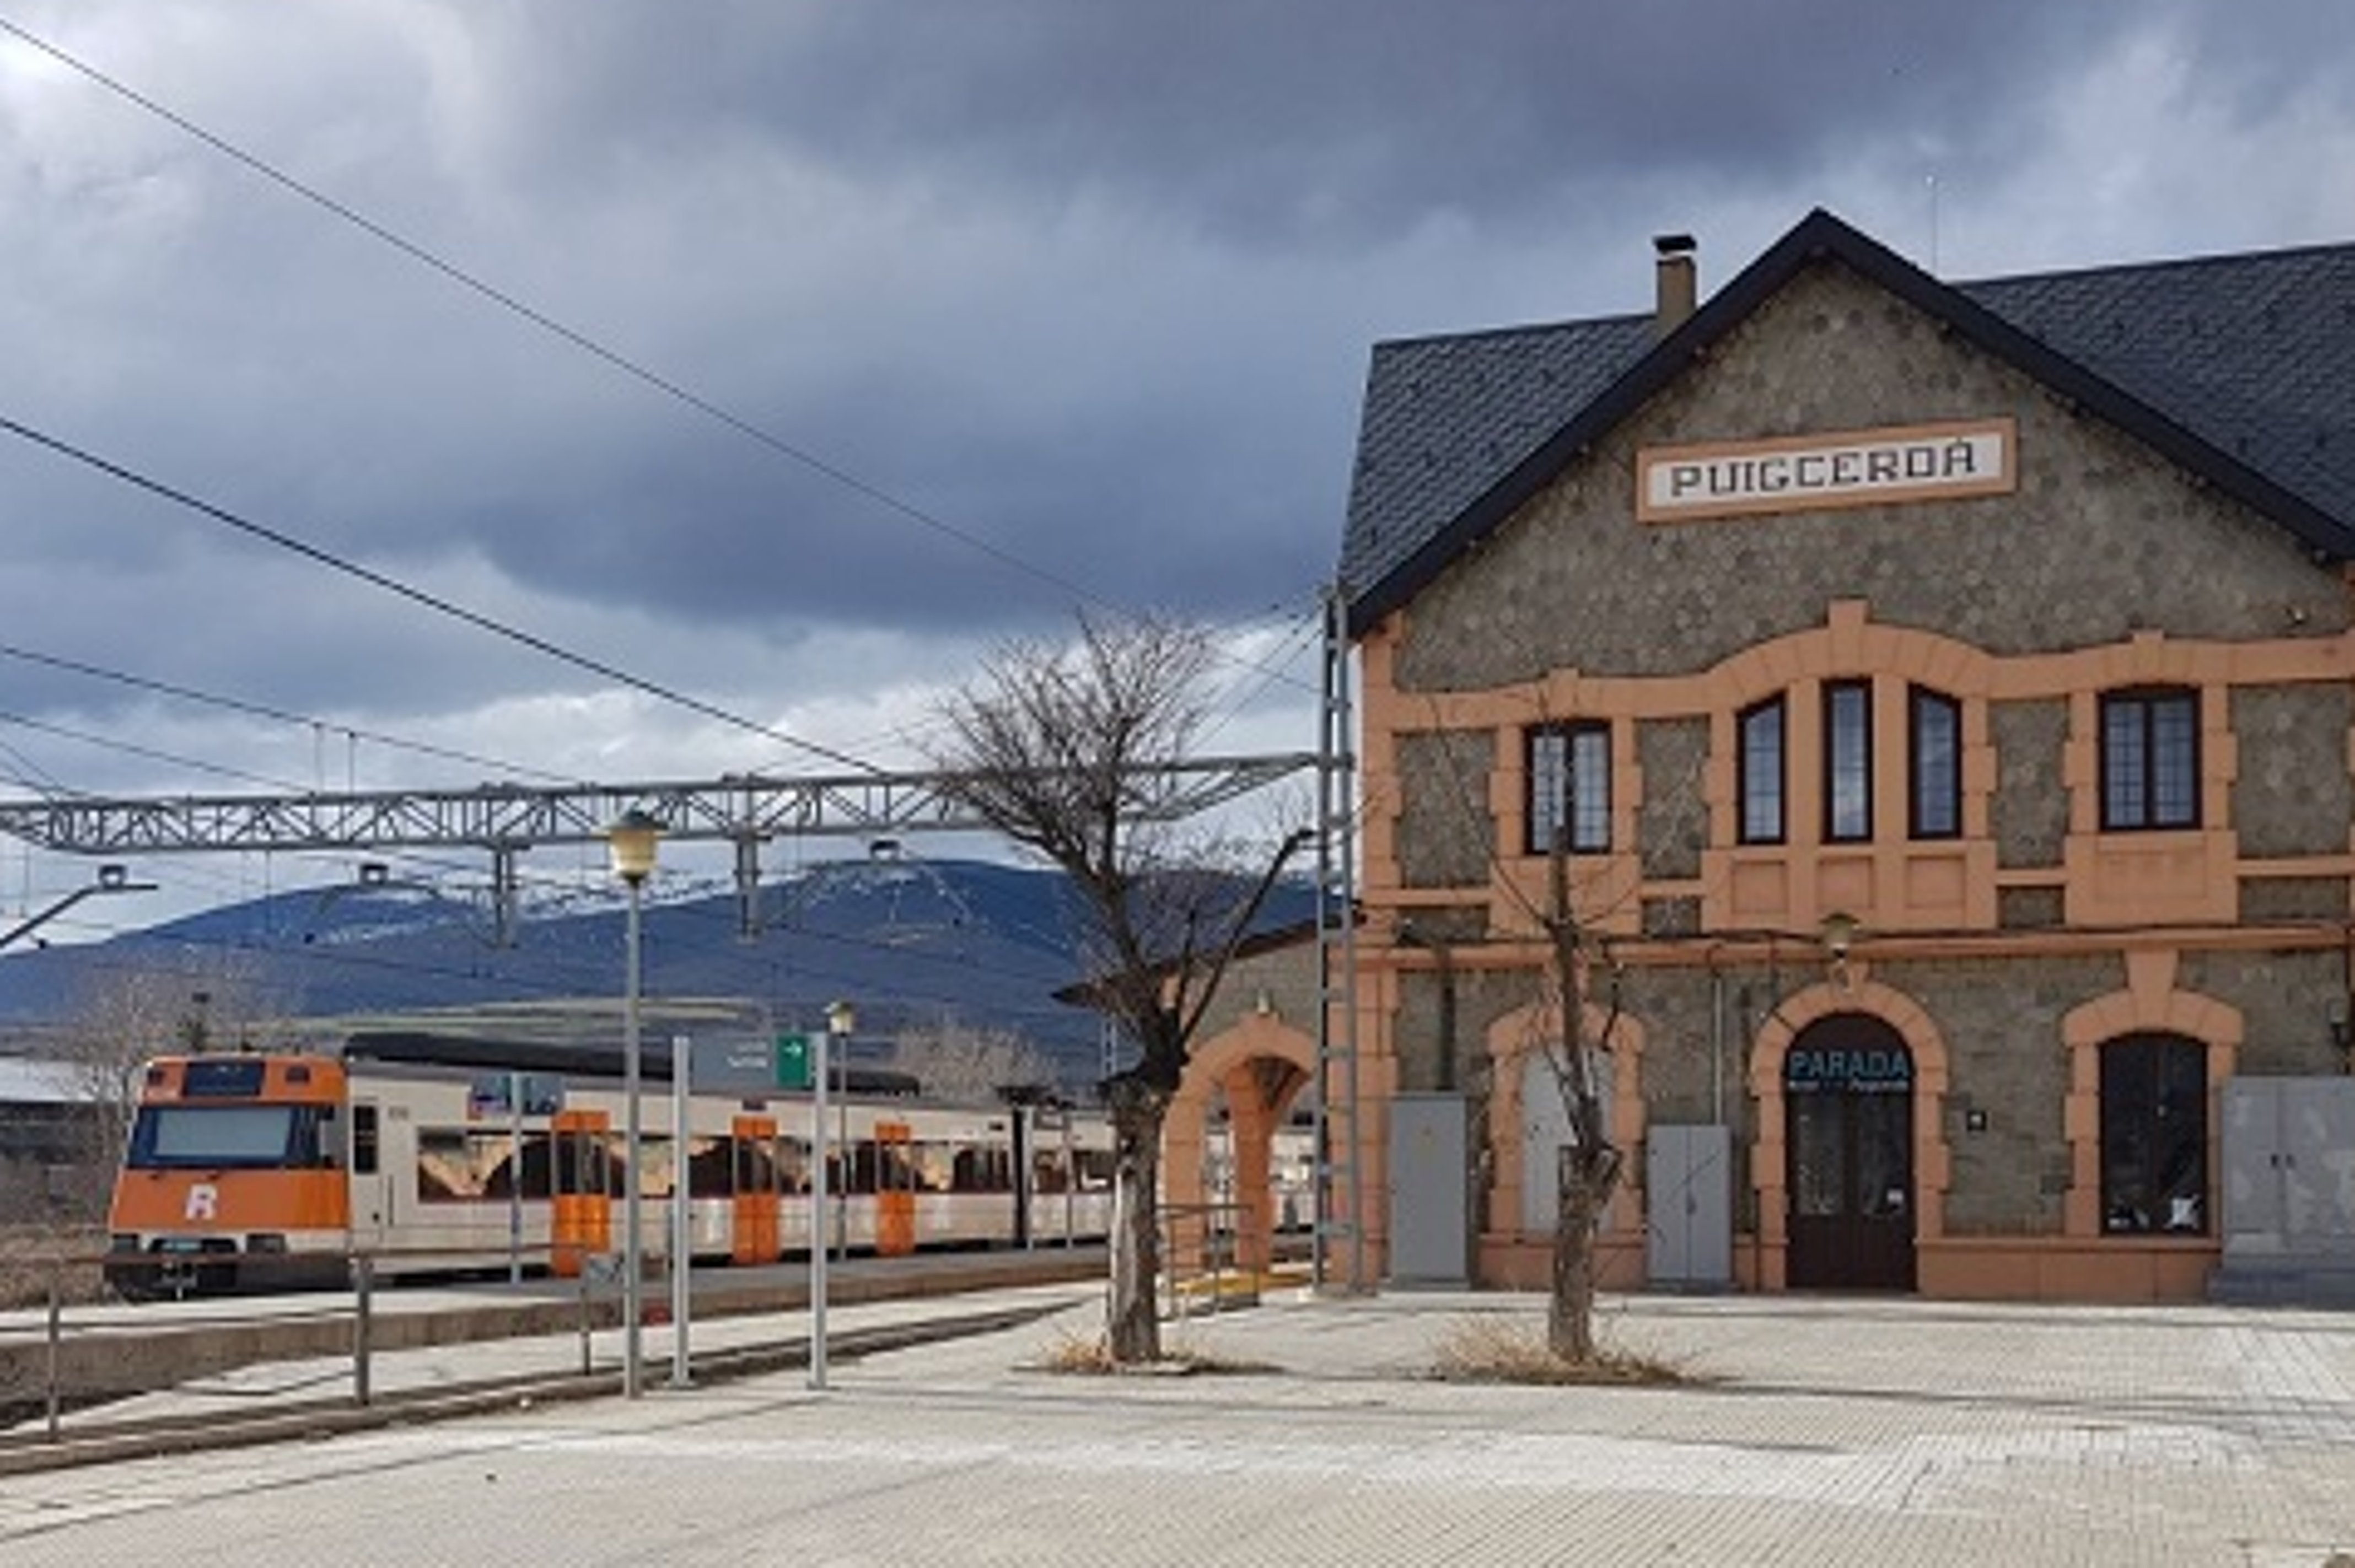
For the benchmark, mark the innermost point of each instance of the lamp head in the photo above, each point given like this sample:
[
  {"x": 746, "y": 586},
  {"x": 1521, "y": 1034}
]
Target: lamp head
[
  {"x": 841, "y": 1017},
  {"x": 1838, "y": 932},
  {"x": 631, "y": 842}
]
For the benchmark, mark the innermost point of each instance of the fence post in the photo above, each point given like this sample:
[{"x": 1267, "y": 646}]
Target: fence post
[
  {"x": 588, "y": 1357},
  {"x": 363, "y": 1325},
  {"x": 56, "y": 1327}
]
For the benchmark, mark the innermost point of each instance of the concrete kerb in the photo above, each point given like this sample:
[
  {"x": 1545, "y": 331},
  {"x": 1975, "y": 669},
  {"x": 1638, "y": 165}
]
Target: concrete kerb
[
  {"x": 113, "y": 1362},
  {"x": 313, "y": 1419}
]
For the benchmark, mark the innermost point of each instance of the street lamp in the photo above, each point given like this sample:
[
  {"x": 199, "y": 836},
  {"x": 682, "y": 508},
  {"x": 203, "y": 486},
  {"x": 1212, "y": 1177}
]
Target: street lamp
[
  {"x": 111, "y": 879},
  {"x": 841, "y": 1017},
  {"x": 632, "y": 842}
]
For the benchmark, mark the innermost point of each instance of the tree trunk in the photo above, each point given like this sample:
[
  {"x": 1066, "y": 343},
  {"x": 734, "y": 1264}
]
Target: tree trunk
[
  {"x": 1584, "y": 1176},
  {"x": 1133, "y": 1315}
]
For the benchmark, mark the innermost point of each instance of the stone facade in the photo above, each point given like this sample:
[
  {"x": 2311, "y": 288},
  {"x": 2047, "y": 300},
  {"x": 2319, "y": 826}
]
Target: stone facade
[
  {"x": 1983, "y": 989},
  {"x": 2100, "y": 540}
]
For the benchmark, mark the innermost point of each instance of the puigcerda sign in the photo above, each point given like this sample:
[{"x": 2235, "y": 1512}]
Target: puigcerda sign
[{"x": 1856, "y": 468}]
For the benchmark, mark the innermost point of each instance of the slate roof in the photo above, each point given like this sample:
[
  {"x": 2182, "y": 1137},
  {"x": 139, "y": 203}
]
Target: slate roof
[{"x": 2240, "y": 367}]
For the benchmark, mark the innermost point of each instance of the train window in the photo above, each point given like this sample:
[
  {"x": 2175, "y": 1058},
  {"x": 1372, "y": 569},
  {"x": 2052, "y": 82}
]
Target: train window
[
  {"x": 1097, "y": 1168},
  {"x": 305, "y": 1150},
  {"x": 708, "y": 1167},
  {"x": 226, "y": 1137},
  {"x": 364, "y": 1141},
  {"x": 654, "y": 1178},
  {"x": 792, "y": 1165},
  {"x": 238, "y": 1077},
  {"x": 983, "y": 1170},
  {"x": 931, "y": 1167},
  {"x": 445, "y": 1168},
  {"x": 1048, "y": 1173},
  {"x": 862, "y": 1167}
]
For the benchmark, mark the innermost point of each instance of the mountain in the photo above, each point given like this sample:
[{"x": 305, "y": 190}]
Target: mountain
[{"x": 910, "y": 942}]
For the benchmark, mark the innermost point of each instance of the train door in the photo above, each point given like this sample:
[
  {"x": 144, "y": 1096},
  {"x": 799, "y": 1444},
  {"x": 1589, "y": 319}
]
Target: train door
[
  {"x": 581, "y": 1209},
  {"x": 755, "y": 1230},
  {"x": 895, "y": 1194},
  {"x": 371, "y": 1186}
]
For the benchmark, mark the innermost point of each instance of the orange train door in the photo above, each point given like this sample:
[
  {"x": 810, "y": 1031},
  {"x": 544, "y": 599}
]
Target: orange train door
[
  {"x": 754, "y": 1230},
  {"x": 581, "y": 1210},
  {"x": 895, "y": 1199}
]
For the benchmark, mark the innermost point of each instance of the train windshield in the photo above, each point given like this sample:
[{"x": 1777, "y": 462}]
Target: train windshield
[{"x": 246, "y": 1137}]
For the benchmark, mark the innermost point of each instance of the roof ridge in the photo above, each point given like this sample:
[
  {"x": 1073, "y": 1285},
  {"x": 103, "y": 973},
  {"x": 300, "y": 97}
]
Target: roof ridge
[{"x": 2219, "y": 259}]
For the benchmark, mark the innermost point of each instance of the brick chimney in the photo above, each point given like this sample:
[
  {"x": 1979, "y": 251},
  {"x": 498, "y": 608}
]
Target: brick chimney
[{"x": 1679, "y": 285}]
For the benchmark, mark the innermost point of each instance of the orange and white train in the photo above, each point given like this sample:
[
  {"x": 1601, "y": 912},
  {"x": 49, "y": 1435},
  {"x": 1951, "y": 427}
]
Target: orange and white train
[{"x": 440, "y": 1154}]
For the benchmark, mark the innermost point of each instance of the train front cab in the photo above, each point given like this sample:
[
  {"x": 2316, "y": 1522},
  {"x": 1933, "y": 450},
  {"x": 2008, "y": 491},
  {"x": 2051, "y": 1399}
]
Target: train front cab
[{"x": 233, "y": 1178}]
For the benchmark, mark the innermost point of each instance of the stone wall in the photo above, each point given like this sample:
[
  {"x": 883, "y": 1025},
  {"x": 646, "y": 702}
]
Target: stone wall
[{"x": 2102, "y": 540}]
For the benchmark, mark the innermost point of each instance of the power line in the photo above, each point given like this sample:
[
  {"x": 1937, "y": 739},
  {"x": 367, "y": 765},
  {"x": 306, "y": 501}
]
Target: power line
[
  {"x": 575, "y": 336},
  {"x": 435, "y": 602},
  {"x": 263, "y": 710}
]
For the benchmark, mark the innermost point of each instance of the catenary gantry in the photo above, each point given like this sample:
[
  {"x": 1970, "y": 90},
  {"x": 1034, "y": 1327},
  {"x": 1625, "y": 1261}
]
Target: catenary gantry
[{"x": 505, "y": 819}]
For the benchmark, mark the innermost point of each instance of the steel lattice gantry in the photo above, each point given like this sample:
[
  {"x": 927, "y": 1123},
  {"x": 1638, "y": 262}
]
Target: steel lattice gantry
[{"x": 503, "y": 819}]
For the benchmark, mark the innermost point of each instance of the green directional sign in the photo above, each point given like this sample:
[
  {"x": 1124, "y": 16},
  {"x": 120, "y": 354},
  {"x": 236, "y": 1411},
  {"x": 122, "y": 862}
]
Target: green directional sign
[{"x": 792, "y": 1061}]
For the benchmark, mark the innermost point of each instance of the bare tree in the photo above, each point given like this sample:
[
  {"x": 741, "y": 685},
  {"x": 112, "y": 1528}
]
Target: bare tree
[
  {"x": 1586, "y": 1169},
  {"x": 956, "y": 1061},
  {"x": 129, "y": 1015},
  {"x": 1578, "y": 964},
  {"x": 1057, "y": 747}
]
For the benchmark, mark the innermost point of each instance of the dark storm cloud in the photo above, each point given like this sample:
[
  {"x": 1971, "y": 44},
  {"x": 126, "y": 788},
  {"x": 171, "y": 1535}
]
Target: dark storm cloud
[
  {"x": 1091, "y": 283},
  {"x": 1332, "y": 120}
]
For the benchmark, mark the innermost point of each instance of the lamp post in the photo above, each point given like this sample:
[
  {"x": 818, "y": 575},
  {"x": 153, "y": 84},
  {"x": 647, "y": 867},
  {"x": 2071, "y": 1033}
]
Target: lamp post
[
  {"x": 632, "y": 842},
  {"x": 111, "y": 879},
  {"x": 841, "y": 1017}
]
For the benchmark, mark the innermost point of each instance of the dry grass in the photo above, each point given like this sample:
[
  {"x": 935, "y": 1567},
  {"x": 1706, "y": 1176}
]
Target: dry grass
[
  {"x": 1504, "y": 1350},
  {"x": 1088, "y": 1355},
  {"x": 33, "y": 1256}
]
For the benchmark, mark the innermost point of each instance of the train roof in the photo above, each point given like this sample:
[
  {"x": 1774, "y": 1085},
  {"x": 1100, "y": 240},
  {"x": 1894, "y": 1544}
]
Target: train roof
[{"x": 425, "y": 1048}]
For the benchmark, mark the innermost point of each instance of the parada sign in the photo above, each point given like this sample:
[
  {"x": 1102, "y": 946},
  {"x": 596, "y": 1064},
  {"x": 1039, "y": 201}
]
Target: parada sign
[{"x": 1856, "y": 468}]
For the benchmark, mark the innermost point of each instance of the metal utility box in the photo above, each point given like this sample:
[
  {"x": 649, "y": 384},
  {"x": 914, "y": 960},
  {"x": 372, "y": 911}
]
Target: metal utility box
[
  {"x": 2289, "y": 1167},
  {"x": 1431, "y": 1191},
  {"x": 1689, "y": 1198}
]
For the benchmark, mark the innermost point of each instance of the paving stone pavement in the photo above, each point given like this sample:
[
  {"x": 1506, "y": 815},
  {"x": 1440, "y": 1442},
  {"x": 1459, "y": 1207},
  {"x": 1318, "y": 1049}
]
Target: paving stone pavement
[{"x": 1807, "y": 1431}]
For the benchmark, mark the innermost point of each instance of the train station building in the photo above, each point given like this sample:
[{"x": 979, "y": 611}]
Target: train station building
[{"x": 1945, "y": 696}]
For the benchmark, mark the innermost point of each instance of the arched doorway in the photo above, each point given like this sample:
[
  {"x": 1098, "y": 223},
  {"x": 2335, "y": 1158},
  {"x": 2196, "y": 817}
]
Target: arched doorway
[
  {"x": 1847, "y": 1096},
  {"x": 1232, "y": 1157}
]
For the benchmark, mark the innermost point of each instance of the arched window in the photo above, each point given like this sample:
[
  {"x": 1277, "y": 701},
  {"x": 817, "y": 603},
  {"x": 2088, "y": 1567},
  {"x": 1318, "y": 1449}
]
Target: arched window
[{"x": 2154, "y": 1134}]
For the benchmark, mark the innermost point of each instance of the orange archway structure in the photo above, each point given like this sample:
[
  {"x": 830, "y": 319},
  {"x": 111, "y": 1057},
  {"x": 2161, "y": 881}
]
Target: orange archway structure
[{"x": 1260, "y": 1063}]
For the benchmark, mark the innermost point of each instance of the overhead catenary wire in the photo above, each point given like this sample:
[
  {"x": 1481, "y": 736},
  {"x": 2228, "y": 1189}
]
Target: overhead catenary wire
[
  {"x": 264, "y": 710},
  {"x": 419, "y": 595},
  {"x": 577, "y": 337}
]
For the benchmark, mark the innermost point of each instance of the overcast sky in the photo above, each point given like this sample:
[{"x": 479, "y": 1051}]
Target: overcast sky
[{"x": 1029, "y": 303}]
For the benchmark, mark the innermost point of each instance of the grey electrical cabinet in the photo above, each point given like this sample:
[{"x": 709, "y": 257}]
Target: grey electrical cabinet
[
  {"x": 1430, "y": 1191},
  {"x": 2288, "y": 1212},
  {"x": 1688, "y": 1207}
]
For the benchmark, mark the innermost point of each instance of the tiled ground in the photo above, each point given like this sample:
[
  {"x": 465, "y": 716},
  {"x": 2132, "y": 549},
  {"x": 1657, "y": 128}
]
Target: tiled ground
[{"x": 1812, "y": 1432}]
